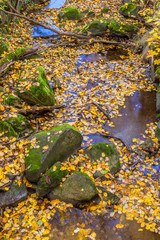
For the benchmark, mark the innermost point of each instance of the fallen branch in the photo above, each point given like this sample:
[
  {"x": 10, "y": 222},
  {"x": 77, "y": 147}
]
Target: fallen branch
[
  {"x": 117, "y": 138},
  {"x": 28, "y": 52},
  {"x": 5, "y": 66},
  {"x": 102, "y": 110},
  {"x": 40, "y": 110},
  {"x": 17, "y": 14}
]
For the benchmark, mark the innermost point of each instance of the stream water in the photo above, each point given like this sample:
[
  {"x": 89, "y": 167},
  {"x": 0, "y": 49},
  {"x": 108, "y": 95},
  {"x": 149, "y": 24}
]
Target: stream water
[{"x": 139, "y": 110}]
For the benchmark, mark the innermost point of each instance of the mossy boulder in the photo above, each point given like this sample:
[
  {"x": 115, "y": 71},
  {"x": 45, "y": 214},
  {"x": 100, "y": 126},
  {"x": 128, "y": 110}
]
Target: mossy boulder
[
  {"x": 108, "y": 152},
  {"x": 3, "y": 47},
  {"x": 128, "y": 9},
  {"x": 50, "y": 179},
  {"x": 6, "y": 129},
  {"x": 13, "y": 196},
  {"x": 35, "y": 89},
  {"x": 77, "y": 189},
  {"x": 107, "y": 196},
  {"x": 96, "y": 27},
  {"x": 21, "y": 125},
  {"x": 69, "y": 13},
  {"x": 51, "y": 146},
  {"x": 11, "y": 100},
  {"x": 122, "y": 29}
]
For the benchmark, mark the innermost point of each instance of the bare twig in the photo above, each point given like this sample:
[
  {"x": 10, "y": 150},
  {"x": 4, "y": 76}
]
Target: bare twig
[
  {"x": 102, "y": 110},
  {"x": 40, "y": 110},
  {"x": 16, "y": 13}
]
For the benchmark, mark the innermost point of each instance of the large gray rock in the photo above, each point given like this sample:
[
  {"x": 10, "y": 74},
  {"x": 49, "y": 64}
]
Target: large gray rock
[
  {"x": 110, "y": 154},
  {"x": 129, "y": 9},
  {"x": 78, "y": 188},
  {"x": 107, "y": 196},
  {"x": 51, "y": 146},
  {"x": 33, "y": 87},
  {"x": 13, "y": 196},
  {"x": 50, "y": 180},
  {"x": 21, "y": 125},
  {"x": 69, "y": 13},
  {"x": 96, "y": 27}
]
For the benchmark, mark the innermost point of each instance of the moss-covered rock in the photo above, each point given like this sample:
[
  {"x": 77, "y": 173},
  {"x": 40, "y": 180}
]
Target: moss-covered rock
[
  {"x": 11, "y": 100},
  {"x": 6, "y": 129},
  {"x": 106, "y": 151},
  {"x": 108, "y": 196},
  {"x": 35, "y": 89},
  {"x": 3, "y": 47},
  {"x": 50, "y": 179},
  {"x": 21, "y": 125},
  {"x": 70, "y": 13},
  {"x": 13, "y": 196},
  {"x": 77, "y": 189},
  {"x": 128, "y": 9},
  {"x": 105, "y": 10},
  {"x": 52, "y": 146},
  {"x": 96, "y": 27},
  {"x": 12, "y": 56},
  {"x": 122, "y": 29}
]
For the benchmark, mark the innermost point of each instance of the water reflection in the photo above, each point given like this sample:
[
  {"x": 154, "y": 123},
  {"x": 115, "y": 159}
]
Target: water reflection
[
  {"x": 55, "y": 4},
  {"x": 140, "y": 109},
  {"x": 65, "y": 223},
  {"x": 40, "y": 31}
]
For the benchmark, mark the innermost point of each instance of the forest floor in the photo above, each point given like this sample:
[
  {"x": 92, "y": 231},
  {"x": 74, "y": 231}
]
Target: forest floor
[{"x": 107, "y": 75}]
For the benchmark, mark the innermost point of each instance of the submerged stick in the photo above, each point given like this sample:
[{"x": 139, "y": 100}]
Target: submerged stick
[{"x": 102, "y": 110}]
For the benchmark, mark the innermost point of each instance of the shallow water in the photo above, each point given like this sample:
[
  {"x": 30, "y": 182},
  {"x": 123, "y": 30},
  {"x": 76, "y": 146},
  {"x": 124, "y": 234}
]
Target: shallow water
[
  {"x": 68, "y": 226},
  {"x": 40, "y": 31},
  {"x": 140, "y": 109}
]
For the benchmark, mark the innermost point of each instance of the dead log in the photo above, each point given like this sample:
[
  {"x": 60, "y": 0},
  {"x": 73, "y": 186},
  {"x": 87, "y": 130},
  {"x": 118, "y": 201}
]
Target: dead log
[{"x": 39, "y": 110}]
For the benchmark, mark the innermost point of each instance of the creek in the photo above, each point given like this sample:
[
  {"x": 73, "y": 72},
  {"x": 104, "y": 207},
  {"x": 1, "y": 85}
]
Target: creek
[{"x": 138, "y": 110}]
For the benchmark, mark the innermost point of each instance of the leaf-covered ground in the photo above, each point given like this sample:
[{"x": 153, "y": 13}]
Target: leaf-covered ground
[{"x": 110, "y": 82}]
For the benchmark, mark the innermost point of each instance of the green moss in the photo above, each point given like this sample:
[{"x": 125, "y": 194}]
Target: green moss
[
  {"x": 96, "y": 27},
  {"x": 3, "y": 47},
  {"x": 122, "y": 28},
  {"x": 36, "y": 161},
  {"x": 158, "y": 71},
  {"x": 50, "y": 180},
  {"x": 110, "y": 151},
  {"x": 37, "y": 95},
  {"x": 105, "y": 10},
  {"x": 7, "y": 129},
  {"x": 70, "y": 13},
  {"x": 11, "y": 56},
  {"x": 128, "y": 8},
  {"x": 36, "y": 153},
  {"x": 21, "y": 125},
  {"x": 11, "y": 100},
  {"x": 63, "y": 127},
  {"x": 85, "y": 174}
]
